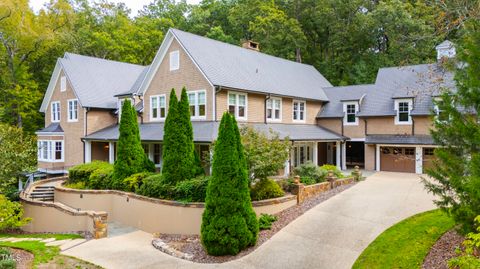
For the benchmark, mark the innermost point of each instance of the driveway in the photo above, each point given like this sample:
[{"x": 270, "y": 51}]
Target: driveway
[{"x": 330, "y": 235}]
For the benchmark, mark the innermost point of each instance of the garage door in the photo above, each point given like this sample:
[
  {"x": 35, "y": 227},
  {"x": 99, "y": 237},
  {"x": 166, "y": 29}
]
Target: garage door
[
  {"x": 396, "y": 159},
  {"x": 428, "y": 158}
]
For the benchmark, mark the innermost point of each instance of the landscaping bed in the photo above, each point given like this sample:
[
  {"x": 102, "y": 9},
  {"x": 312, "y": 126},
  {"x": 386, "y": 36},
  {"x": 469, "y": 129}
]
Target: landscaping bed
[
  {"x": 443, "y": 250},
  {"x": 189, "y": 247}
]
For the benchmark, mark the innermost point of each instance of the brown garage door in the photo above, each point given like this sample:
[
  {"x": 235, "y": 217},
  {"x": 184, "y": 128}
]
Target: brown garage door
[
  {"x": 397, "y": 159},
  {"x": 428, "y": 158}
]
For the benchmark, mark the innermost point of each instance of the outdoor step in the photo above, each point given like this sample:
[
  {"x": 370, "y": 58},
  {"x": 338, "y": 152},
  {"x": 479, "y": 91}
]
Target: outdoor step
[
  {"x": 45, "y": 187},
  {"x": 42, "y": 191},
  {"x": 39, "y": 195}
]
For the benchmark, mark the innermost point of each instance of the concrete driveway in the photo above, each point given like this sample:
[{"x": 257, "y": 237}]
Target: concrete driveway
[{"x": 331, "y": 235}]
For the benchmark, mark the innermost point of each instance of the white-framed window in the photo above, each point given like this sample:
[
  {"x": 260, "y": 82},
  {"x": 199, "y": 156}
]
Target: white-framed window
[
  {"x": 403, "y": 108},
  {"x": 73, "y": 110},
  {"x": 50, "y": 150},
  {"x": 274, "y": 109},
  {"x": 158, "y": 107},
  {"x": 237, "y": 105},
  {"x": 55, "y": 109},
  {"x": 174, "y": 60},
  {"x": 299, "y": 110},
  {"x": 63, "y": 83},
  {"x": 350, "y": 109},
  {"x": 198, "y": 103},
  {"x": 440, "y": 115}
]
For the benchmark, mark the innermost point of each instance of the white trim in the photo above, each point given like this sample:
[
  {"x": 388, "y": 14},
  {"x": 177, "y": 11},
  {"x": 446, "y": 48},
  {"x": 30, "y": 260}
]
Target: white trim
[
  {"x": 237, "y": 105},
  {"x": 345, "y": 117},
  {"x": 49, "y": 134},
  {"x": 53, "y": 112},
  {"x": 159, "y": 118},
  {"x": 197, "y": 106},
  {"x": 397, "y": 115},
  {"x": 273, "y": 109},
  {"x": 377, "y": 158},
  {"x": 88, "y": 151},
  {"x": 174, "y": 60},
  {"x": 338, "y": 152},
  {"x": 344, "y": 156},
  {"x": 304, "y": 110},
  {"x": 357, "y": 139},
  {"x": 68, "y": 110},
  {"x": 152, "y": 70},
  {"x": 111, "y": 152}
]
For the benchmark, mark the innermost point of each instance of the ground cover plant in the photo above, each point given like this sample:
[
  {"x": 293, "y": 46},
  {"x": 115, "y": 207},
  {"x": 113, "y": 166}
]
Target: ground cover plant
[
  {"x": 405, "y": 244},
  {"x": 265, "y": 221},
  {"x": 470, "y": 256},
  {"x": 229, "y": 223},
  {"x": 6, "y": 259}
]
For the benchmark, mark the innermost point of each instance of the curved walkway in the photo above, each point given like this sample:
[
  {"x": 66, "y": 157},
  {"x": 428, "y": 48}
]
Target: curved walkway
[{"x": 330, "y": 235}]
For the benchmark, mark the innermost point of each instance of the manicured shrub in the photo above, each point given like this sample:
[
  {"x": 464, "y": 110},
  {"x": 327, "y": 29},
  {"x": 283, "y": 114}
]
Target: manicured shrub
[
  {"x": 308, "y": 180},
  {"x": 192, "y": 190},
  {"x": 80, "y": 185},
  {"x": 131, "y": 158},
  {"x": 334, "y": 168},
  {"x": 265, "y": 221},
  {"x": 229, "y": 223},
  {"x": 266, "y": 189},
  {"x": 312, "y": 171},
  {"x": 11, "y": 214},
  {"x": 156, "y": 186},
  {"x": 101, "y": 179},
  {"x": 197, "y": 165},
  {"x": 82, "y": 172},
  {"x": 133, "y": 182},
  {"x": 469, "y": 258}
]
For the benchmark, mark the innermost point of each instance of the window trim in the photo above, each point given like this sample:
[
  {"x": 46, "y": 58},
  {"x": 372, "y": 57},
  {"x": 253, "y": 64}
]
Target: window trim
[
  {"x": 51, "y": 149},
  {"x": 345, "y": 110},
  {"x": 174, "y": 62},
  {"x": 63, "y": 83},
  {"x": 68, "y": 110},
  {"x": 397, "y": 109},
  {"x": 304, "y": 110},
  {"x": 273, "y": 109},
  {"x": 236, "y": 104},
  {"x": 197, "y": 106},
  {"x": 159, "y": 118},
  {"x": 52, "y": 112}
]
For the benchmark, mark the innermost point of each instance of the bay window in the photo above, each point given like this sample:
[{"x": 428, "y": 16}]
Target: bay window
[
  {"x": 237, "y": 105},
  {"x": 50, "y": 150}
]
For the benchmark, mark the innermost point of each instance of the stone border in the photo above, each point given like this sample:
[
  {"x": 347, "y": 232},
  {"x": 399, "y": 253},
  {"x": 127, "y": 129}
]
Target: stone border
[{"x": 303, "y": 192}]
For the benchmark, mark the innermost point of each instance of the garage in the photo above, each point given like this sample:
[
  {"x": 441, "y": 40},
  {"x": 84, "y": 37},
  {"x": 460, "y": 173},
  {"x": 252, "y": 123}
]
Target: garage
[
  {"x": 428, "y": 157},
  {"x": 397, "y": 159}
]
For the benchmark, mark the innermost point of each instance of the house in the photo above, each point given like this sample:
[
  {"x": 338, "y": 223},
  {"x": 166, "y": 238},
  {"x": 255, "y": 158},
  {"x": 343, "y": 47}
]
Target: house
[{"x": 370, "y": 125}]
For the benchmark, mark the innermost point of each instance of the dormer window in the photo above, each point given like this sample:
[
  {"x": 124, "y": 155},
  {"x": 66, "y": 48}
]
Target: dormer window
[
  {"x": 403, "y": 108},
  {"x": 350, "y": 109},
  {"x": 174, "y": 60}
]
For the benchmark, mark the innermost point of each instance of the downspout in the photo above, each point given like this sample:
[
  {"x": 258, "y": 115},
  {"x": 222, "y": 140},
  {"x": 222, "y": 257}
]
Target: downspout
[
  {"x": 366, "y": 127},
  {"x": 265, "y": 109},
  {"x": 413, "y": 126},
  {"x": 85, "y": 131},
  {"x": 215, "y": 91},
  {"x": 143, "y": 108}
]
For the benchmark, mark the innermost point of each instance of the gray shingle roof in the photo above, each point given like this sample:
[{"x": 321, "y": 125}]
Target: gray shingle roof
[
  {"x": 400, "y": 139},
  {"x": 207, "y": 131},
  {"x": 52, "y": 128},
  {"x": 96, "y": 81},
  {"x": 420, "y": 82},
  {"x": 239, "y": 68}
]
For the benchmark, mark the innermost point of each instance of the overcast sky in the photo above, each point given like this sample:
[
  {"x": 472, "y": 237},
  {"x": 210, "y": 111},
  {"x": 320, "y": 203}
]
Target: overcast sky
[{"x": 134, "y": 5}]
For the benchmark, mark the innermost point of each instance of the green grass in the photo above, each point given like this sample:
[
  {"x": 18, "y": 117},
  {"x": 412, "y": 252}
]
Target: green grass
[
  {"x": 42, "y": 253},
  {"x": 406, "y": 244},
  {"x": 45, "y": 236}
]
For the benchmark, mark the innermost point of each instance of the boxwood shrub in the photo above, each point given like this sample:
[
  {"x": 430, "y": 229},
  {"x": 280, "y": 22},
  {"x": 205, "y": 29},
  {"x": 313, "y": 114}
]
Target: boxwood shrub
[
  {"x": 192, "y": 190},
  {"x": 133, "y": 182},
  {"x": 82, "y": 172},
  {"x": 334, "y": 168},
  {"x": 156, "y": 186},
  {"x": 101, "y": 178},
  {"x": 265, "y": 189}
]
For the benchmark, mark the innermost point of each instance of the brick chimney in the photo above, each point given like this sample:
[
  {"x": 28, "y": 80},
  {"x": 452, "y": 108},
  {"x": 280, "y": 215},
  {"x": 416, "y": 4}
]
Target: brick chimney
[{"x": 249, "y": 44}]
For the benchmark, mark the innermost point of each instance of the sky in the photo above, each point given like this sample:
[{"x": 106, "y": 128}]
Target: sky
[{"x": 134, "y": 5}]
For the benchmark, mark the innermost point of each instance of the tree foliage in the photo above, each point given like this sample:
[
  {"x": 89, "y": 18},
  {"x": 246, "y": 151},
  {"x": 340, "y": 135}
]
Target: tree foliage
[
  {"x": 131, "y": 158},
  {"x": 456, "y": 175},
  {"x": 229, "y": 223},
  {"x": 11, "y": 214}
]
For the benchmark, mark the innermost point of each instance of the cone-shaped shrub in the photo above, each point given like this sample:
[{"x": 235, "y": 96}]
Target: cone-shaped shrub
[
  {"x": 131, "y": 158},
  {"x": 171, "y": 143},
  {"x": 229, "y": 223},
  {"x": 185, "y": 124}
]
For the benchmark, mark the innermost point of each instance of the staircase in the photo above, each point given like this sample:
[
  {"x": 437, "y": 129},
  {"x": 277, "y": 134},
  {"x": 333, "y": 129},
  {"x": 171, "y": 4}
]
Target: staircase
[{"x": 42, "y": 193}]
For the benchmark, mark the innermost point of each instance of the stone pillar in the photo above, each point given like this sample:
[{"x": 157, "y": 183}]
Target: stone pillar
[
  {"x": 88, "y": 151},
  {"x": 298, "y": 190},
  {"x": 418, "y": 160},
  {"x": 338, "y": 154},
  {"x": 100, "y": 225},
  {"x": 331, "y": 178},
  {"x": 357, "y": 174},
  {"x": 111, "y": 152}
]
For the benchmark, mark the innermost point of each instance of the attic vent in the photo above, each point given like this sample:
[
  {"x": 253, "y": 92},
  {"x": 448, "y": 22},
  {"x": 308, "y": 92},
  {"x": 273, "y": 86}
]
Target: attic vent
[{"x": 249, "y": 44}]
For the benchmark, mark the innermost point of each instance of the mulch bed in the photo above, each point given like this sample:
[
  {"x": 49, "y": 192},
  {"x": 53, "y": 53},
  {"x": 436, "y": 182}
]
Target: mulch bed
[
  {"x": 443, "y": 250},
  {"x": 23, "y": 258},
  {"x": 192, "y": 249}
]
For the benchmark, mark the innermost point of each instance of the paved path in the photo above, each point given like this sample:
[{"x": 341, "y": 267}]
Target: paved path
[{"x": 331, "y": 235}]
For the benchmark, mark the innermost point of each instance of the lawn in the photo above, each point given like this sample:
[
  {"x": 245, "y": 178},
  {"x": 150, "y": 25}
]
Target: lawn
[{"x": 406, "y": 244}]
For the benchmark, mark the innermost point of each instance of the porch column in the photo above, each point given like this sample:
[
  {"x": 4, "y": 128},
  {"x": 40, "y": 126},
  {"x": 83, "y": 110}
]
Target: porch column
[
  {"x": 337, "y": 152},
  {"x": 286, "y": 169},
  {"x": 377, "y": 158},
  {"x": 344, "y": 155},
  {"x": 418, "y": 160},
  {"x": 88, "y": 151},
  {"x": 111, "y": 152},
  {"x": 150, "y": 151},
  {"x": 315, "y": 153}
]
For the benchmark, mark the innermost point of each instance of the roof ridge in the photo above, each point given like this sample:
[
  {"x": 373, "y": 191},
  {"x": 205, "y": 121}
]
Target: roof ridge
[
  {"x": 406, "y": 66},
  {"x": 240, "y": 47},
  {"x": 100, "y": 59}
]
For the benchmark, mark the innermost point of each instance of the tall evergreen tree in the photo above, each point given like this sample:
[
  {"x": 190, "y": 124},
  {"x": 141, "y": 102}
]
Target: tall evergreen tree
[
  {"x": 229, "y": 223},
  {"x": 171, "y": 142},
  {"x": 131, "y": 158},
  {"x": 185, "y": 124},
  {"x": 456, "y": 173}
]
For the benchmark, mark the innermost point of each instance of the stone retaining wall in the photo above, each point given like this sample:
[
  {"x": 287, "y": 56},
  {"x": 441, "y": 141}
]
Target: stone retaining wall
[{"x": 304, "y": 192}]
